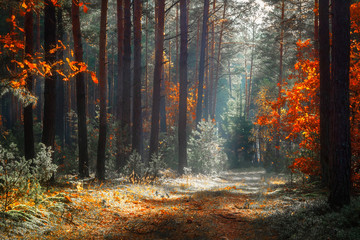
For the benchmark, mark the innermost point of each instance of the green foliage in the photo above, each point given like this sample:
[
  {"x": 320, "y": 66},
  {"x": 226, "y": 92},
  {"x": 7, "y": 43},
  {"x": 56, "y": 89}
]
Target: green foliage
[
  {"x": 20, "y": 177},
  {"x": 169, "y": 147},
  {"x": 239, "y": 132},
  {"x": 317, "y": 221},
  {"x": 137, "y": 171},
  {"x": 205, "y": 149}
]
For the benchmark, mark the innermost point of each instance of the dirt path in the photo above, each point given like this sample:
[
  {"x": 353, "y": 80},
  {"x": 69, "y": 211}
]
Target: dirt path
[{"x": 228, "y": 206}]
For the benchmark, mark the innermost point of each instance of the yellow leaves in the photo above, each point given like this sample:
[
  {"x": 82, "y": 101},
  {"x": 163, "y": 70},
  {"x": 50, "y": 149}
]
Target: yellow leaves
[
  {"x": 79, "y": 187},
  {"x": 24, "y": 5}
]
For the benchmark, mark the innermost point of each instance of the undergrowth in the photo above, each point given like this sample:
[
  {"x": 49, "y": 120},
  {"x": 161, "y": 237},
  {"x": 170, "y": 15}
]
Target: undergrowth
[{"x": 316, "y": 220}]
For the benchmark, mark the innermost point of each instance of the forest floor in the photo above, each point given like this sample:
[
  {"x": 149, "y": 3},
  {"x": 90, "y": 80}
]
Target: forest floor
[{"x": 231, "y": 205}]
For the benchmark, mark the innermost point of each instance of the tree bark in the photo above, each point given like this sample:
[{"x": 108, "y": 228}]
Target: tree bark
[
  {"x": 202, "y": 62},
  {"x": 325, "y": 89},
  {"x": 28, "y": 110},
  {"x": 126, "y": 106},
  {"x": 48, "y": 135},
  {"x": 340, "y": 157},
  {"x": 159, "y": 46},
  {"x": 213, "y": 107},
  {"x": 100, "y": 167},
  {"x": 137, "y": 113},
  {"x": 80, "y": 94},
  {"x": 60, "y": 85},
  {"x": 120, "y": 43},
  {"x": 183, "y": 88},
  {"x": 280, "y": 80}
]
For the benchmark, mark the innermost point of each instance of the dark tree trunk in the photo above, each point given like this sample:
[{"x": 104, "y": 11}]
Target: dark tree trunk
[
  {"x": 325, "y": 91},
  {"x": 80, "y": 94},
  {"x": 137, "y": 115},
  {"x": 159, "y": 46},
  {"x": 316, "y": 20},
  {"x": 183, "y": 88},
  {"x": 28, "y": 110},
  {"x": 48, "y": 135},
  {"x": 100, "y": 167},
  {"x": 202, "y": 62},
  {"x": 120, "y": 43},
  {"x": 38, "y": 81},
  {"x": 163, "y": 126},
  {"x": 126, "y": 107},
  {"x": 60, "y": 87},
  {"x": 340, "y": 157}
]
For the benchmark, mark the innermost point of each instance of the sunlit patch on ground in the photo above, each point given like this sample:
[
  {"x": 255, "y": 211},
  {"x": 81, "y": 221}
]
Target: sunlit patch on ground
[{"x": 190, "y": 207}]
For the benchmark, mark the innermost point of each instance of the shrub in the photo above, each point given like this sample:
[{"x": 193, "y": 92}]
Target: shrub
[
  {"x": 137, "y": 171},
  {"x": 20, "y": 177},
  {"x": 205, "y": 149}
]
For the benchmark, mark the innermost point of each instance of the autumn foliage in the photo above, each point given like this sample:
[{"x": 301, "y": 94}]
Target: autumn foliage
[{"x": 299, "y": 121}]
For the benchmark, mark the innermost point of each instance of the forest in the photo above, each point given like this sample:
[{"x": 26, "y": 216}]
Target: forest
[{"x": 180, "y": 119}]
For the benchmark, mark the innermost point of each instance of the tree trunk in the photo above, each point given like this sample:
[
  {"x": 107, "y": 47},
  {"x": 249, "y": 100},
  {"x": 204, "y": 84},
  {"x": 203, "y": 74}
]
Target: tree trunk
[
  {"x": 126, "y": 106},
  {"x": 120, "y": 43},
  {"x": 38, "y": 80},
  {"x": 183, "y": 88},
  {"x": 325, "y": 90},
  {"x": 213, "y": 107},
  {"x": 80, "y": 94},
  {"x": 137, "y": 115},
  {"x": 60, "y": 86},
  {"x": 340, "y": 157},
  {"x": 163, "y": 125},
  {"x": 100, "y": 167},
  {"x": 28, "y": 110},
  {"x": 211, "y": 87},
  {"x": 202, "y": 62},
  {"x": 316, "y": 21},
  {"x": 280, "y": 80},
  {"x": 48, "y": 135},
  {"x": 159, "y": 46}
]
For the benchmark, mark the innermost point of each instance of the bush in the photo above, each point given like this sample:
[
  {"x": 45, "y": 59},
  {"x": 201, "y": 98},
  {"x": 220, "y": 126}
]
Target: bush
[
  {"x": 138, "y": 171},
  {"x": 20, "y": 177},
  {"x": 205, "y": 149}
]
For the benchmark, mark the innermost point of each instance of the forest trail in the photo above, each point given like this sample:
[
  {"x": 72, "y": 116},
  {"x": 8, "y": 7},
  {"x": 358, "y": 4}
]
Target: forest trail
[{"x": 228, "y": 206}]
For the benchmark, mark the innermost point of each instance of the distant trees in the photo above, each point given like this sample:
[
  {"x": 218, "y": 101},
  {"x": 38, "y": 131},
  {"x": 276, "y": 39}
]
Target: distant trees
[{"x": 204, "y": 35}]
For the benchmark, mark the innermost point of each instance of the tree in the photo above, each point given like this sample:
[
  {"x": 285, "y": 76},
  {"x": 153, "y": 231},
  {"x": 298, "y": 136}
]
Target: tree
[
  {"x": 28, "y": 110},
  {"x": 100, "y": 167},
  {"x": 202, "y": 61},
  {"x": 325, "y": 120},
  {"x": 126, "y": 104},
  {"x": 137, "y": 121},
  {"x": 48, "y": 135},
  {"x": 80, "y": 93},
  {"x": 60, "y": 85},
  {"x": 340, "y": 155},
  {"x": 183, "y": 88},
  {"x": 120, "y": 44},
  {"x": 159, "y": 46}
]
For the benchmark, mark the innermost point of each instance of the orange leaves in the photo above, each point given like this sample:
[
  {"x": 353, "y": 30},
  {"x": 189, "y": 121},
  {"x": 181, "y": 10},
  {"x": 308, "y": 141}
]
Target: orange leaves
[{"x": 93, "y": 77}]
